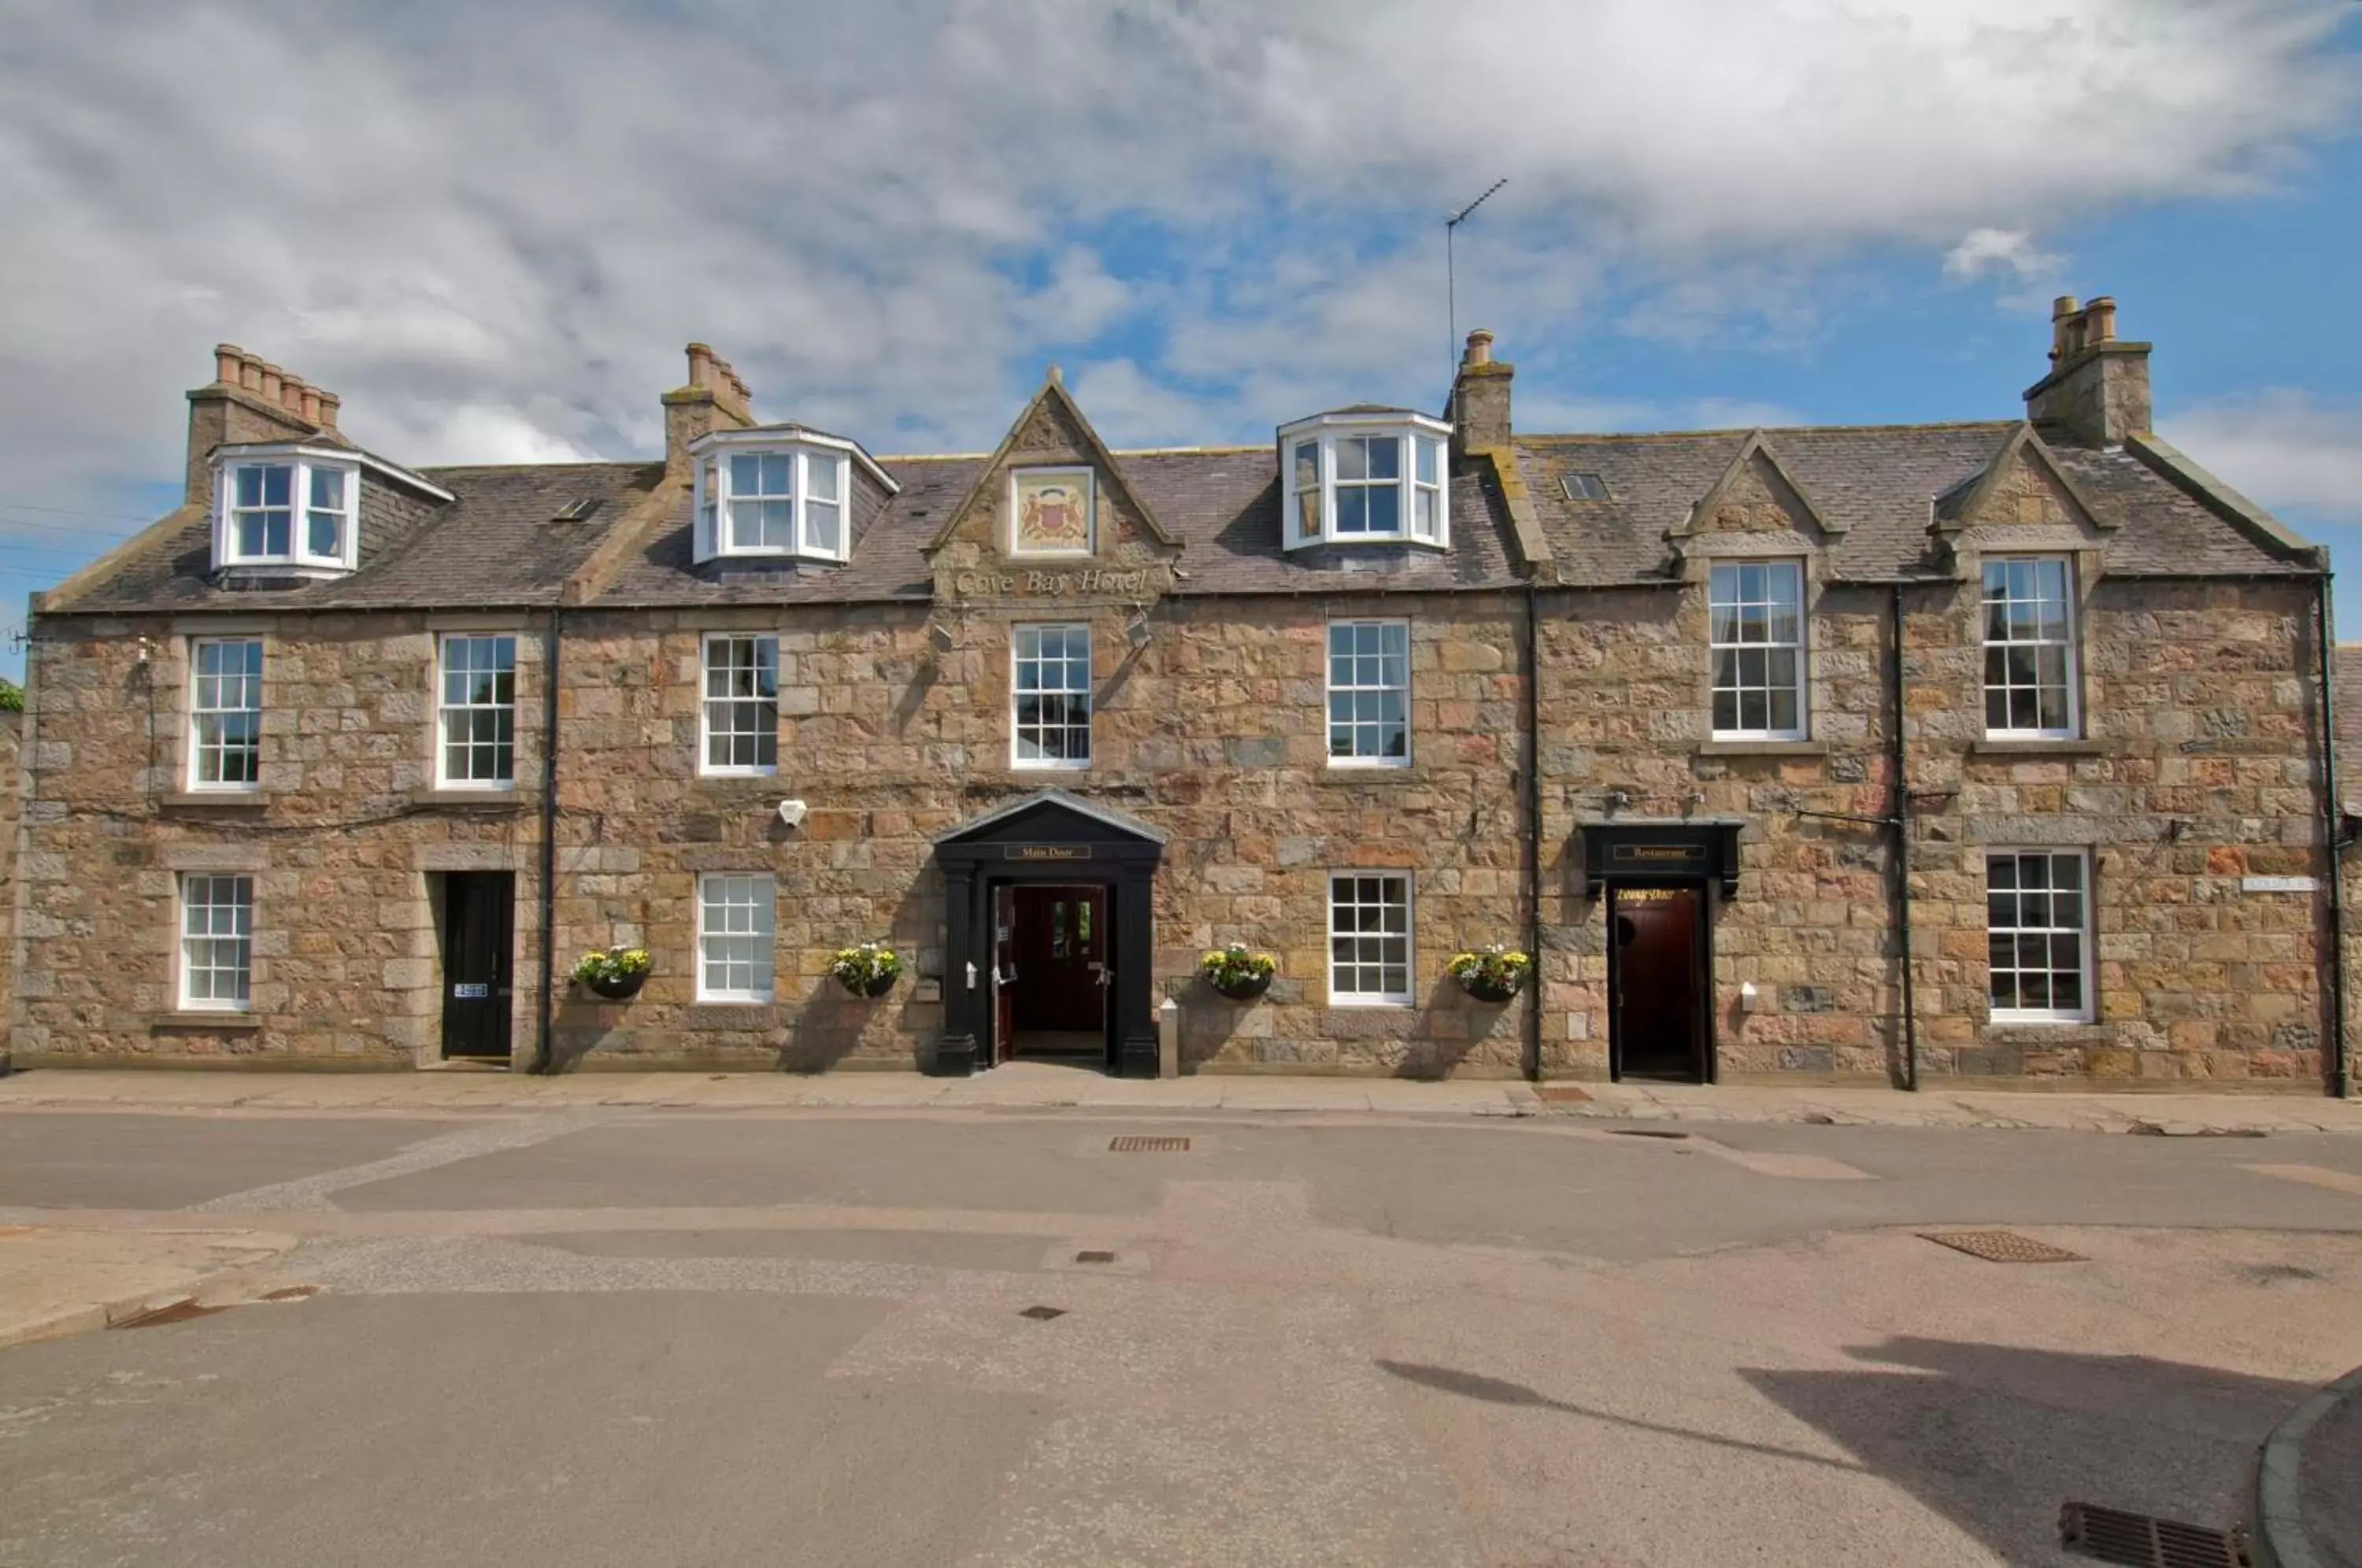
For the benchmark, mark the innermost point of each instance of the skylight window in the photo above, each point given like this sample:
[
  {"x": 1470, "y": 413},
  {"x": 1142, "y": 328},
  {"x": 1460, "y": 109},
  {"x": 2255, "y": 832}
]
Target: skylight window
[{"x": 1582, "y": 487}]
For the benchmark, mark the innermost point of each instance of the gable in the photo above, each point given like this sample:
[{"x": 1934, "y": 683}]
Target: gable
[
  {"x": 1050, "y": 816},
  {"x": 1052, "y": 514},
  {"x": 2023, "y": 487},
  {"x": 1756, "y": 494}
]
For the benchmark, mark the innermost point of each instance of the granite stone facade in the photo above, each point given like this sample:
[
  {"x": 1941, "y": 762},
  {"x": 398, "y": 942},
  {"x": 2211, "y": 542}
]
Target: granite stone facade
[{"x": 1559, "y": 697}]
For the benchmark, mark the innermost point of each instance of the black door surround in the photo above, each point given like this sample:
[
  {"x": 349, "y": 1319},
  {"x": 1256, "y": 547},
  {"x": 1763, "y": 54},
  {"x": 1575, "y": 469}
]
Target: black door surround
[
  {"x": 1664, "y": 852},
  {"x": 1049, "y": 836}
]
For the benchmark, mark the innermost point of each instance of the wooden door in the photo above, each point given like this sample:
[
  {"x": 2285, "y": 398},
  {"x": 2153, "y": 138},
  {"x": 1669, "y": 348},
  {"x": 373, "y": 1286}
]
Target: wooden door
[
  {"x": 1660, "y": 1003},
  {"x": 1062, "y": 947},
  {"x": 478, "y": 916},
  {"x": 1004, "y": 971}
]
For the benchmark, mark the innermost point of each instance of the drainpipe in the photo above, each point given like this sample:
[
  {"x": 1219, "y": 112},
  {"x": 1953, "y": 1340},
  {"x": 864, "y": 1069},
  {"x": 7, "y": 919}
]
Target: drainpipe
[
  {"x": 1901, "y": 819},
  {"x": 2333, "y": 818},
  {"x": 1533, "y": 846},
  {"x": 544, "y": 1051}
]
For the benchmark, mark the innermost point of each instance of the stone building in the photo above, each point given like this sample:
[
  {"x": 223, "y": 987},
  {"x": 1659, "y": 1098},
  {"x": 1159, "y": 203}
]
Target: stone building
[{"x": 1662, "y": 709}]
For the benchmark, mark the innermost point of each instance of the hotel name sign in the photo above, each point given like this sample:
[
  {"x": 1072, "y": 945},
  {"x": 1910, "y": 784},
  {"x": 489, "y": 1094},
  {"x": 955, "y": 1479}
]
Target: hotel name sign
[{"x": 1034, "y": 582}]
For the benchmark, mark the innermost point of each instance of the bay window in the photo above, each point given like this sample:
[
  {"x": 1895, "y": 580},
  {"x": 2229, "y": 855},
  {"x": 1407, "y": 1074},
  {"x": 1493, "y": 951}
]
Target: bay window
[
  {"x": 759, "y": 496},
  {"x": 1366, "y": 478},
  {"x": 288, "y": 506}
]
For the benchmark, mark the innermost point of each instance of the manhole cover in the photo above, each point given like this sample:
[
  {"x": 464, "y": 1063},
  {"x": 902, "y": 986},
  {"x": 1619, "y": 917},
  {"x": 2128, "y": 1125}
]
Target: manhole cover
[
  {"x": 1137, "y": 1143},
  {"x": 2001, "y": 1246},
  {"x": 2113, "y": 1535},
  {"x": 1042, "y": 1314},
  {"x": 1094, "y": 1257}
]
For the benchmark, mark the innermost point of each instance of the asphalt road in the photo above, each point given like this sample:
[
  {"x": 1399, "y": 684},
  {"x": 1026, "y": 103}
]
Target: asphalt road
[{"x": 640, "y": 1337}]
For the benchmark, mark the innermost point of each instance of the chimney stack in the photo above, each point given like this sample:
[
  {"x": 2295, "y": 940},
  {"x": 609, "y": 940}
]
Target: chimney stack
[
  {"x": 1480, "y": 397},
  {"x": 249, "y": 399},
  {"x": 714, "y": 399},
  {"x": 2097, "y": 391}
]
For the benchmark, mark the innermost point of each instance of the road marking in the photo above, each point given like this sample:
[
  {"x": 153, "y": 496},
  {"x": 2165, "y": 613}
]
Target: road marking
[
  {"x": 2313, "y": 1175},
  {"x": 314, "y": 1191},
  {"x": 1787, "y": 1167}
]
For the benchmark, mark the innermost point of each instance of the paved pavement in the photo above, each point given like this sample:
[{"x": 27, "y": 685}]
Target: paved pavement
[
  {"x": 1029, "y": 1084},
  {"x": 572, "y": 1329}
]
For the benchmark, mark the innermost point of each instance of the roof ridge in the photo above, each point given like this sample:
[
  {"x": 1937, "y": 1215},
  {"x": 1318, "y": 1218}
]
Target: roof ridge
[{"x": 1745, "y": 430}]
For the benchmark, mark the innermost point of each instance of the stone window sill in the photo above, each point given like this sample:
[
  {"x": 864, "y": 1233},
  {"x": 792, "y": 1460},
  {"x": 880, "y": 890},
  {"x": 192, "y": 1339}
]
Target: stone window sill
[
  {"x": 1365, "y": 774},
  {"x": 221, "y": 800},
  {"x": 201, "y": 1019},
  {"x": 742, "y": 1017},
  {"x": 2038, "y": 748},
  {"x": 1764, "y": 748},
  {"x": 479, "y": 799}
]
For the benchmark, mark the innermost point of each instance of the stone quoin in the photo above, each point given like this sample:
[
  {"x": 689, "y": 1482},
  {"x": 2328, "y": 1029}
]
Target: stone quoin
[{"x": 1386, "y": 689}]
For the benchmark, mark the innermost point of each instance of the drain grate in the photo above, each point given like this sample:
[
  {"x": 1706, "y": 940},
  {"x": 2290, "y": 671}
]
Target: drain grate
[
  {"x": 2001, "y": 1246},
  {"x": 1042, "y": 1314},
  {"x": 1138, "y": 1144},
  {"x": 1094, "y": 1258},
  {"x": 2113, "y": 1535}
]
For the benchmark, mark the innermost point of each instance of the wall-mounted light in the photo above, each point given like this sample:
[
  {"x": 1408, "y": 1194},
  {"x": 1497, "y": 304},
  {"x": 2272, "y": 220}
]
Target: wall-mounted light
[
  {"x": 792, "y": 813},
  {"x": 1135, "y": 631},
  {"x": 941, "y": 636}
]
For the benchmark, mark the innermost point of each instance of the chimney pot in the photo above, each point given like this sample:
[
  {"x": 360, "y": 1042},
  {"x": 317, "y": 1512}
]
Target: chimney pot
[
  {"x": 271, "y": 375},
  {"x": 329, "y": 403},
  {"x": 311, "y": 403},
  {"x": 228, "y": 356},
  {"x": 2102, "y": 315},
  {"x": 700, "y": 366},
  {"x": 290, "y": 392},
  {"x": 1480, "y": 347}
]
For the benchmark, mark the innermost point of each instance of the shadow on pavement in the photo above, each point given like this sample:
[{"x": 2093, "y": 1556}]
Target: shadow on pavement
[{"x": 1993, "y": 1438}]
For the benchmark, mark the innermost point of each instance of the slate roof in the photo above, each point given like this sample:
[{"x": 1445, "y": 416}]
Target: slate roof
[
  {"x": 1876, "y": 483},
  {"x": 498, "y": 543}
]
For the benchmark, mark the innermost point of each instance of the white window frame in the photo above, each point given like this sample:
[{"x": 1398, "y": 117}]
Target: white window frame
[
  {"x": 1318, "y": 437},
  {"x": 2070, "y": 642},
  {"x": 707, "y": 702},
  {"x": 1738, "y": 646},
  {"x": 1018, "y": 633},
  {"x": 446, "y": 711},
  {"x": 239, "y": 938},
  {"x": 2082, "y": 932},
  {"x": 761, "y": 934},
  {"x": 1406, "y": 996},
  {"x": 1357, "y": 689},
  {"x": 810, "y": 455},
  {"x": 302, "y": 463},
  {"x": 200, "y": 711}
]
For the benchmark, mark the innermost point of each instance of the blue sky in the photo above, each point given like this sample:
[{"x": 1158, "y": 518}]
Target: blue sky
[{"x": 492, "y": 229}]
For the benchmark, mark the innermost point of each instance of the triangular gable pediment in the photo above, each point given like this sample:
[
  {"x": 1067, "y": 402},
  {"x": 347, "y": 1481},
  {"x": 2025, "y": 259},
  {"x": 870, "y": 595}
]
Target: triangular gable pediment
[
  {"x": 1052, "y": 426},
  {"x": 1756, "y": 494},
  {"x": 2024, "y": 486},
  {"x": 1050, "y": 816}
]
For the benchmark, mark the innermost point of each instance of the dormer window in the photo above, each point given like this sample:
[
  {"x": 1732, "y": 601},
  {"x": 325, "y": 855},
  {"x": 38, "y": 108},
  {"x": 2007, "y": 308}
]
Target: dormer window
[
  {"x": 782, "y": 491},
  {"x": 290, "y": 507},
  {"x": 1366, "y": 476}
]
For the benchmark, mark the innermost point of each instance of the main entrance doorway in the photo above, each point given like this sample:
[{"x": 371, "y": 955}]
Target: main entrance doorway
[
  {"x": 1049, "y": 935},
  {"x": 1052, "y": 971},
  {"x": 478, "y": 921},
  {"x": 1656, "y": 981}
]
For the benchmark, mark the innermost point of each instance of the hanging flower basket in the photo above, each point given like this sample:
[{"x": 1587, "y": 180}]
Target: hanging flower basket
[
  {"x": 615, "y": 973},
  {"x": 1491, "y": 974},
  {"x": 867, "y": 969},
  {"x": 1238, "y": 972}
]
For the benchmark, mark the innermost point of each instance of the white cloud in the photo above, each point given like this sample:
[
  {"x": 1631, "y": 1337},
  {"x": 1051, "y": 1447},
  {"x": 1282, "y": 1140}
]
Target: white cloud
[
  {"x": 2007, "y": 251},
  {"x": 2284, "y": 449},
  {"x": 492, "y": 228}
]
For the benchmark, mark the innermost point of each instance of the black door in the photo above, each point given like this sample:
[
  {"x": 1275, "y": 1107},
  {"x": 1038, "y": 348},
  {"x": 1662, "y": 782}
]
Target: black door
[
  {"x": 479, "y": 915},
  {"x": 1062, "y": 960},
  {"x": 1659, "y": 982}
]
